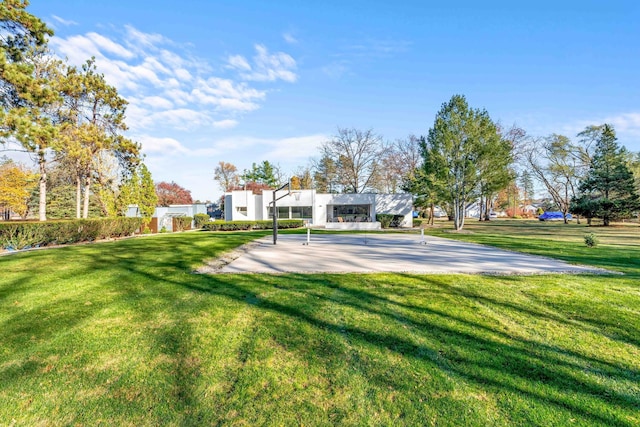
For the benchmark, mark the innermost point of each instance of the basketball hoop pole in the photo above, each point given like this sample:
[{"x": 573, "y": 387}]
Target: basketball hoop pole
[{"x": 275, "y": 210}]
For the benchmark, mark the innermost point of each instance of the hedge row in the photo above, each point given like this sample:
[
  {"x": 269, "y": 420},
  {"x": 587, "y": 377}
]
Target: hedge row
[
  {"x": 251, "y": 225},
  {"x": 200, "y": 219},
  {"x": 24, "y": 235},
  {"x": 182, "y": 223}
]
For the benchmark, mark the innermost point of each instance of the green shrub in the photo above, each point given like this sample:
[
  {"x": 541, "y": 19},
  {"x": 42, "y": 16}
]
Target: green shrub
[
  {"x": 389, "y": 220},
  {"x": 251, "y": 225},
  {"x": 182, "y": 223},
  {"x": 591, "y": 240},
  {"x": 24, "y": 235},
  {"x": 384, "y": 219},
  {"x": 228, "y": 225},
  {"x": 282, "y": 224},
  {"x": 417, "y": 222},
  {"x": 200, "y": 219},
  {"x": 288, "y": 223}
]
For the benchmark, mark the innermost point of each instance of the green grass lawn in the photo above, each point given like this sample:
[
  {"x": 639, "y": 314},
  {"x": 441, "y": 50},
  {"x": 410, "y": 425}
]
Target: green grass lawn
[{"x": 123, "y": 333}]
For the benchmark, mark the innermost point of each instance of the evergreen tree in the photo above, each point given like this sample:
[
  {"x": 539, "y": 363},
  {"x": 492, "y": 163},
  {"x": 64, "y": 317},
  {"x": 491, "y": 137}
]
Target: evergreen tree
[
  {"x": 526, "y": 182},
  {"x": 22, "y": 33},
  {"x": 25, "y": 90},
  {"x": 265, "y": 173},
  {"x": 325, "y": 175},
  {"x": 138, "y": 189},
  {"x": 609, "y": 188},
  {"x": 463, "y": 149}
]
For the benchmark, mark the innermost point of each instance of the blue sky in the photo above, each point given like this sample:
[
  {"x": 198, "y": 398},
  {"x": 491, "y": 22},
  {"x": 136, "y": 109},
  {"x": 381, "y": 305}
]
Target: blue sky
[{"x": 247, "y": 81}]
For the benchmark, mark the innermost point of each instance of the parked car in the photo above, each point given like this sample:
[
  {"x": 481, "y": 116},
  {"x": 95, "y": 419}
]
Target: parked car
[{"x": 554, "y": 216}]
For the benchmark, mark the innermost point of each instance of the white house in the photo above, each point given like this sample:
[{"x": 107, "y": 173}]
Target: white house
[
  {"x": 164, "y": 214},
  {"x": 334, "y": 211}
]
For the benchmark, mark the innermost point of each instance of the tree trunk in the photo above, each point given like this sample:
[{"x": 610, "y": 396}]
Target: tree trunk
[
  {"x": 487, "y": 209},
  {"x": 42, "y": 205},
  {"x": 85, "y": 211},
  {"x": 458, "y": 214},
  {"x": 78, "y": 195},
  {"x": 432, "y": 215}
]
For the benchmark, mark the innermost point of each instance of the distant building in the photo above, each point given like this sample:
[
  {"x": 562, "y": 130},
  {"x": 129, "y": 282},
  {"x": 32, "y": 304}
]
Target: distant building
[{"x": 163, "y": 215}]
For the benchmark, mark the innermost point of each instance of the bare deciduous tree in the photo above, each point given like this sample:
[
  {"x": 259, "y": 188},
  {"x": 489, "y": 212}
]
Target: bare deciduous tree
[
  {"x": 227, "y": 176},
  {"x": 559, "y": 165},
  {"x": 357, "y": 155},
  {"x": 399, "y": 164}
]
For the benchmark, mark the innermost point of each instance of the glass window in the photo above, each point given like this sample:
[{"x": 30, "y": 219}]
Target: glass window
[
  {"x": 301, "y": 212},
  {"x": 283, "y": 212},
  {"x": 349, "y": 213}
]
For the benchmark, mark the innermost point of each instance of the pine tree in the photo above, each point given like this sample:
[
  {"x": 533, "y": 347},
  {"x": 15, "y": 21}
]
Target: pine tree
[{"x": 609, "y": 186}]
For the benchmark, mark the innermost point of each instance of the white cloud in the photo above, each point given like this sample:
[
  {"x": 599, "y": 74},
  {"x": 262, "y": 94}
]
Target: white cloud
[
  {"x": 161, "y": 75},
  {"x": 179, "y": 103},
  {"x": 76, "y": 48},
  {"x": 165, "y": 146},
  {"x": 239, "y": 62},
  {"x": 289, "y": 38},
  {"x": 109, "y": 46},
  {"x": 296, "y": 148},
  {"x": 183, "y": 74},
  {"x": 139, "y": 39},
  {"x": 625, "y": 123},
  {"x": 271, "y": 67},
  {"x": 226, "y": 94},
  {"x": 225, "y": 124},
  {"x": 157, "y": 102},
  {"x": 178, "y": 96},
  {"x": 266, "y": 66},
  {"x": 62, "y": 21}
]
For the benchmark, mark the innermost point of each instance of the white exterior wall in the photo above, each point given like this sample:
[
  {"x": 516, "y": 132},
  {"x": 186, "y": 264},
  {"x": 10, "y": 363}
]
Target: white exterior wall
[
  {"x": 236, "y": 200},
  {"x": 257, "y": 207},
  {"x": 320, "y": 208},
  {"x": 396, "y": 204}
]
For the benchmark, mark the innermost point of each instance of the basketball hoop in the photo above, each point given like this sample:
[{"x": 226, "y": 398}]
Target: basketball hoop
[{"x": 297, "y": 194}]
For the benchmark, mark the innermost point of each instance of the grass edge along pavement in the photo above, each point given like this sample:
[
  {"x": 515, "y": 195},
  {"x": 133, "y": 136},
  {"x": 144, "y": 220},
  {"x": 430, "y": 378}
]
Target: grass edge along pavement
[{"x": 122, "y": 332}]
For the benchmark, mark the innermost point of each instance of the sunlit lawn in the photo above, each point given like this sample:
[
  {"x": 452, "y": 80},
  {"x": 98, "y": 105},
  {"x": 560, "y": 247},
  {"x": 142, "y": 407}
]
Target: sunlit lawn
[{"x": 123, "y": 333}]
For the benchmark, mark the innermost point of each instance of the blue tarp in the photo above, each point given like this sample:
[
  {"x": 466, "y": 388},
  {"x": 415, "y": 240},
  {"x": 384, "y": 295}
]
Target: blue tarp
[{"x": 554, "y": 216}]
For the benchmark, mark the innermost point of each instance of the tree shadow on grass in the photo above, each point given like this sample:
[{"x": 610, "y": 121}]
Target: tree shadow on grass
[
  {"x": 359, "y": 316},
  {"x": 509, "y": 363},
  {"x": 468, "y": 349}
]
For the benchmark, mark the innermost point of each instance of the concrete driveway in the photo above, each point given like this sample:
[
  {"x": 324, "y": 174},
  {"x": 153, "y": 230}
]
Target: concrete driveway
[{"x": 384, "y": 252}]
